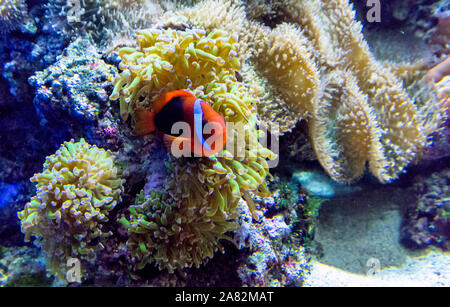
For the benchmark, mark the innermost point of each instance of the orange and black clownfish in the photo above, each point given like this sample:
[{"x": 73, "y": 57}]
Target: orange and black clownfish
[{"x": 207, "y": 131}]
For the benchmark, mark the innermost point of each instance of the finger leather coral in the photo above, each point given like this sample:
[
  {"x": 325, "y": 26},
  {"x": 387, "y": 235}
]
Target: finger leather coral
[
  {"x": 399, "y": 125},
  {"x": 296, "y": 59}
]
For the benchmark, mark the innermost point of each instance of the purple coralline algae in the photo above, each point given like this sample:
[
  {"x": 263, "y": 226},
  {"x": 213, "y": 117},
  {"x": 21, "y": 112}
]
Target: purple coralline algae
[
  {"x": 27, "y": 47},
  {"x": 72, "y": 95},
  {"x": 273, "y": 259},
  {"x": 13, "y": 198},
  {"x": 428, "y": 220},
  {"x": 23, "y": 266},
  {"x": 75, "y": 84},
  {"x": 13, "y": 14}
]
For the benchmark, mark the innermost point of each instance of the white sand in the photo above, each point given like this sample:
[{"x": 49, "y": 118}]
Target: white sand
[{"x": 432, "y": 270}]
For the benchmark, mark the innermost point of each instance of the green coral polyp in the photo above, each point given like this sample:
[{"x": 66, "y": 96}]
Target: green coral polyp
[
  {"x": 170, "y": 234},
  {"x": 76, "y": 190},
  {"x": 171, "y": 60}
]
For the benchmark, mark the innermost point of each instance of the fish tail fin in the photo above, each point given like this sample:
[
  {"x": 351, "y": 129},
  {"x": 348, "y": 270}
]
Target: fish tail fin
[{"x": 144, "y": 122}]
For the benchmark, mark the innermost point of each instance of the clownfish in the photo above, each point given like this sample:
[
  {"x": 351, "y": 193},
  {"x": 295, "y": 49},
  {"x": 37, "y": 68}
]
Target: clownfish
[{"x": 203, "y": 131}]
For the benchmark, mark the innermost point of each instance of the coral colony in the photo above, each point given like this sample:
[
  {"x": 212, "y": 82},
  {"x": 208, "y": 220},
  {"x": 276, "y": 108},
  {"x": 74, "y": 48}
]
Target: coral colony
[{"x": 120, "y": 203}]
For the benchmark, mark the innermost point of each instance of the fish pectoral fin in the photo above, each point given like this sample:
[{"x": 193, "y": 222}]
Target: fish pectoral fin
[
  {"x": 144, "y": 122},
  {"x": 180, "y": 143}
]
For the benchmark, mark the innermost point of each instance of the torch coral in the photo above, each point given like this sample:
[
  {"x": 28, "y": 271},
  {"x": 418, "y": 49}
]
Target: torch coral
[
  {"x": 77, "y": 189},
  {"x": 173, "y": 235},
  {"x": 173, "y": 60},
  {"x": 204, "y": 64}
]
